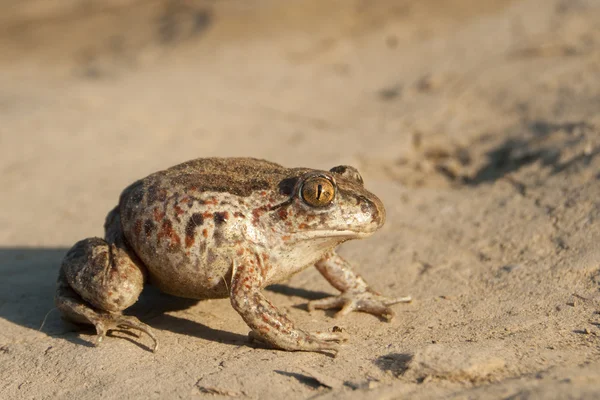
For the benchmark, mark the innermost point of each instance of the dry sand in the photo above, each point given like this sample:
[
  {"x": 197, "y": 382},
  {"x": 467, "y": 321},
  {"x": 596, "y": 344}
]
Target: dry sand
[{"x": 477, "y": 123}]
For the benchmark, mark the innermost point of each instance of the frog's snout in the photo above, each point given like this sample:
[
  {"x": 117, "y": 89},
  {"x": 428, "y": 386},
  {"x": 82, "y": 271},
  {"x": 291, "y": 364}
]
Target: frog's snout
[
  {"x": 371, "y": 211},
  {"x": 376, "y": 209}
]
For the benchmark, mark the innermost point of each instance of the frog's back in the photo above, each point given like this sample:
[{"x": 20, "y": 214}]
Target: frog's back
[
  {"x": 197, "y": 178},
  {"x": 183, "y": 220},
  {"x": 238, "y": 176}
]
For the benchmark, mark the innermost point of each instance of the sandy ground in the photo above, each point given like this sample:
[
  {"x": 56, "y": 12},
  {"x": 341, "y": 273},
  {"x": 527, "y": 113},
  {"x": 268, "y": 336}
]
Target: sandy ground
[{"x": 476, "y": 122}]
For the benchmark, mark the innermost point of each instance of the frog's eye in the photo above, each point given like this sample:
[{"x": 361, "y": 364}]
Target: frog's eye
[{"x": 317, "y": 191}]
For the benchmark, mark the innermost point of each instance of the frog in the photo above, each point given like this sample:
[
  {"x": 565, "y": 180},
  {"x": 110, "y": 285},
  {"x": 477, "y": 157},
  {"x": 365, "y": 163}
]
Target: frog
[{"x": 216, "y": 228}]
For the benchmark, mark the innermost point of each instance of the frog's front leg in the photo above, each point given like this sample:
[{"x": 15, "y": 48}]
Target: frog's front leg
[
  {"x": 268, "y": 324},
  {"x": 356, "y": 293},
  {"x": 98, "y": 280}
]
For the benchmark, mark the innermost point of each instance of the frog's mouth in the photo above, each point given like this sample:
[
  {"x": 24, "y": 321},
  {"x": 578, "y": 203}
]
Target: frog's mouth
[{"x": 342, "y": 234}]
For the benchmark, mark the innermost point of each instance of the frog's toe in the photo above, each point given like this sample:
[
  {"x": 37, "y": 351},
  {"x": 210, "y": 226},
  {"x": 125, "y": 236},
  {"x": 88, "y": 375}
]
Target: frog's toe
[
  {"x": 327, "y": 303},
  {"x": 369, "y": 305},
  {"x": 134, "y": 323},
  {"x": 396, "y": 300},
  {"x": 321, "y": 342},
  {"x": 367, "y": 301},
  {"x": 101, "y": 332},
  {"x": 377, "y": 308},
  {"x": 336, "y": 337},
  {"x": 256, "y": 337},
  {"x": 376, "y": 304},
  {"x": 349, "y": 306},
  {"x": 106, "y": 323},
  {"x": 345, "y": 302}
]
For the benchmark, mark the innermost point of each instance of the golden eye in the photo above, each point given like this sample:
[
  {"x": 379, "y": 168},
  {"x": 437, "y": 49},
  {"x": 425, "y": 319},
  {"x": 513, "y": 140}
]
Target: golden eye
[{"x": 317, "y": 191}]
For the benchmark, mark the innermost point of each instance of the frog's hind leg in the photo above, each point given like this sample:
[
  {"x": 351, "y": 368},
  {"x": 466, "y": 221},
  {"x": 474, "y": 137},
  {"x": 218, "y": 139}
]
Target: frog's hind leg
[{"x": 97, "y": 281}]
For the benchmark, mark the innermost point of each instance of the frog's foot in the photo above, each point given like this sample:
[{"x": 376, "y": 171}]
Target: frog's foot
[
  {"x": 366, "y": 301},
  {"x": 317, "y": 341},
  {"x": 108, "y": 322},
  {"x": 74, "y": 308}
]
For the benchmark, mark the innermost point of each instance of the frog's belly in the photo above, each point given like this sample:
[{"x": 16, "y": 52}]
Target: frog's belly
[
  {"x": 198, "y": 271},
  {"x": 189, "y": 276}
]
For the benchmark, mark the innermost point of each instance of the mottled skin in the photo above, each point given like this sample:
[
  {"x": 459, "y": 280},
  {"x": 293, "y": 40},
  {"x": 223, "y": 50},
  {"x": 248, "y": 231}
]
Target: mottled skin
[{"x": 214, "y": 228}]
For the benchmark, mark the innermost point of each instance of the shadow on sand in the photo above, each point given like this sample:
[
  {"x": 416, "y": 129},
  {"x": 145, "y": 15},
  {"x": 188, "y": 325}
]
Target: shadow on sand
[{"x": 27, "y": 286}]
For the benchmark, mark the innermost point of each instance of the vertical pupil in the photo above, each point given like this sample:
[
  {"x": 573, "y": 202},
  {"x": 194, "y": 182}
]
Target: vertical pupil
[{"x": 319, "y": 192}]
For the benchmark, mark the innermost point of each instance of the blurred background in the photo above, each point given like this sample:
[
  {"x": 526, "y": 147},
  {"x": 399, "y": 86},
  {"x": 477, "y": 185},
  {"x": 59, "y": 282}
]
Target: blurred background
[{"x": 94, "y": 94}]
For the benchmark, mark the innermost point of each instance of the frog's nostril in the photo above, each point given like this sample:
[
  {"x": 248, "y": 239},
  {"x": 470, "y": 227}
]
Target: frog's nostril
[
  {"x": 373, "y": 208},
  {"x": 365, "y": 205}
]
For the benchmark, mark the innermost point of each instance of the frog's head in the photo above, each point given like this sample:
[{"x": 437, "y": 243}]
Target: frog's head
[{"x": 329, "y": 205}]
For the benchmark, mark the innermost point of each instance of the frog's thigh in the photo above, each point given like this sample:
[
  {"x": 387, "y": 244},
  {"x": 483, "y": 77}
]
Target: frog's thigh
[
  {"x": 97, "y": 281},
  {"x": 102, "y": 274}
]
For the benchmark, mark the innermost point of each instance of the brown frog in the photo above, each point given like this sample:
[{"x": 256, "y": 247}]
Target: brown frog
[{"x": 226, "y": 227}]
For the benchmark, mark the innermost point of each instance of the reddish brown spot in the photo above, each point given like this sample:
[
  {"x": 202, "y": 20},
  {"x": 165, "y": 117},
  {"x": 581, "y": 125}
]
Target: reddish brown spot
[
  {"x": 240, "y": 252},
  {"x": 137, "y": 228},
  {"x": 265, "y": 318},
  {"x": 175, "y": 240},
  {"x": 204, "y": 233},
  {"x": 238, "y": 214},
  {"x": 212, "y": 201},
  {"x": 207, "y": 214},
  {"x": 178, "y": 210},
  {"x": 256, "y": 214},
  {"x": 158, "y": 215},
  {"x": 302, "y": 226},
  {"x": 286, "y": 238},
  {"x": 282, "y": 213},
  {"x": 189, "y": 241},
  {"x": 168, "y": 232}
]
